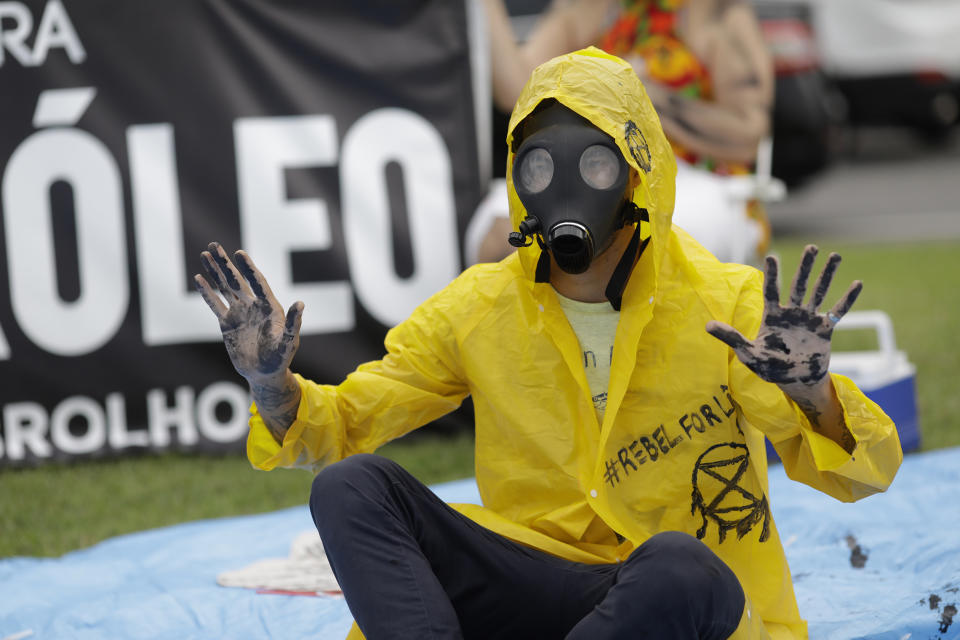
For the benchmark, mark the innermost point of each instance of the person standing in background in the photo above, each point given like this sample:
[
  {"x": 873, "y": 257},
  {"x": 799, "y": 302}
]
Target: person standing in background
[{"x": 709, "y": 75}]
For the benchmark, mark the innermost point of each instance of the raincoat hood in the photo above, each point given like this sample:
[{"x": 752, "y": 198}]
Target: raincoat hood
[{"x": 605, "y": 90}]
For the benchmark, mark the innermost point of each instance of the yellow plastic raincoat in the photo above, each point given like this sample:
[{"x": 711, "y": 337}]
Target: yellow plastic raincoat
[{"x": 681, "y": 442}]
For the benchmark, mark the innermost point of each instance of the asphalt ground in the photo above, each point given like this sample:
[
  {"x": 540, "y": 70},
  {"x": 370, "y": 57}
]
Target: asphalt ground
[{"x": 885, "y": 184}]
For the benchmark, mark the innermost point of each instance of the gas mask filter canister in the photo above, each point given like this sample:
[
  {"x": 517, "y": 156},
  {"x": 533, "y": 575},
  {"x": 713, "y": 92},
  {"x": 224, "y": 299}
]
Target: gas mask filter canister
[{"x": 572, "y": 179}]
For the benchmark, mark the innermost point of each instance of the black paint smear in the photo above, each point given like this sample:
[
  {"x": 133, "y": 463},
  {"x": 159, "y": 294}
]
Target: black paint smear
[
  {"x": 823, "y": 284},
  {"x": 247, "y": 271},
  {"x": 803, "y": 275},
  {"x": 946, "y": 618},
  {"x": 858, "y": 558},
  {"x": 733, "y": 339},
  {"x": 847, "y": 302},
  {"x": 934, "y": 601},
  {"x": 221, "y": 262},
  {"x": 776, "y": 343},
  {"x": 212, "y": 274},
  {"x": 817, "y": 370},
  {"x": 772, "y": 369},
  {"x": 271, "y": 354},
  {"x": 771, "y": 289},
  {"x": 797, "y": 317}
]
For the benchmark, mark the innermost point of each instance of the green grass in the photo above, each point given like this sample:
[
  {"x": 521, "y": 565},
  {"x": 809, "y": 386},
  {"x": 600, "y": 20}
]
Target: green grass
[
  {"x": 918, "y": 286},
  {"x": 54, "y": 509},
  {"x": 50, "y": 510}
]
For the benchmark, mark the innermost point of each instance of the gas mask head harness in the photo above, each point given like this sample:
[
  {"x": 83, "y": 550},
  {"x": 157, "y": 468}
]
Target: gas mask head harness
[{"x": 572, "y": 179}]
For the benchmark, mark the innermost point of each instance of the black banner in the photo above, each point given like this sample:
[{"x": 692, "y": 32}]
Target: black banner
[{"x": 336, "y": 142}]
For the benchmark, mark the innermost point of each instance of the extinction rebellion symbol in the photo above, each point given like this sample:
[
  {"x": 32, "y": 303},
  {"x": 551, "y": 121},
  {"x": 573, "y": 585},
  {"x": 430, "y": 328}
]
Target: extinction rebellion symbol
[
  {"x": 718, "y": 496},
  {"x": 637, "y": 144}
]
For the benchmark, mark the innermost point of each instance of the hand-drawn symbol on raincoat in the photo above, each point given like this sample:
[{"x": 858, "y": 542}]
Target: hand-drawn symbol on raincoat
[
  {"x": 637, "y": 144},
  {"x": 718, "y": 496}
]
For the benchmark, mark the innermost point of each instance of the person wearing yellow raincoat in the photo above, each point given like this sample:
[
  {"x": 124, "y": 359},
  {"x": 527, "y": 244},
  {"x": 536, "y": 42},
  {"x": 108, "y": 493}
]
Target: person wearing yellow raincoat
[{"x": 626, "y": 503}]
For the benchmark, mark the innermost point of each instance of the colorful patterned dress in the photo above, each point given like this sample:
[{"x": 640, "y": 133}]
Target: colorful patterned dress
[{"x": 648, "y": 29}]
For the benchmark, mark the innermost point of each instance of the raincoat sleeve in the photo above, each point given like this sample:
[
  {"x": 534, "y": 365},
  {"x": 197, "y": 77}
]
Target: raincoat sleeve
[
  {"x": 418, "y": 380},
  {"x": 807, "y": 456}
]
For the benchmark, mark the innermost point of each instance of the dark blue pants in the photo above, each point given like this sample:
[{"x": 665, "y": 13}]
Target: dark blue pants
[{"x": 412, "y": 567}]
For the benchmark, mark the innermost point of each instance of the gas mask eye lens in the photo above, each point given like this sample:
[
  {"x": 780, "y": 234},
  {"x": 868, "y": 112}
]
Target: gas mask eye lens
[
  {"x": 599, "y": 167},
  {"x": 536, "y": 170}
]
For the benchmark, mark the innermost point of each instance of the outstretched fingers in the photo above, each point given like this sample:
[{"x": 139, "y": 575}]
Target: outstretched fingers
[
  {"x": 210, "y": 296},
  {"x": 291, "y": 326},
  {"x": 733, "y": 338},
  {"x": 798, "y": 289},
  {"x": 213, "y": 272},
  {"x": 843, "y": 304},
  {"x": 771, "y": 285},
  {"x": 258, "y": 284},
  {"x": 823, "y": 282},
  {"x": 232, "y": 283}
]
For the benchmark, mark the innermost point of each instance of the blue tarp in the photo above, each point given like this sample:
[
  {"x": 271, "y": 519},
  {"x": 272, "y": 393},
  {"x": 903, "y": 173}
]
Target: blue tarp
[{"x": 162, "y": 583}]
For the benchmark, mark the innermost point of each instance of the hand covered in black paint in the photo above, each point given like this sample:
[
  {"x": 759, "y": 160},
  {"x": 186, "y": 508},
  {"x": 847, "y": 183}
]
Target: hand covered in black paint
[
  {"x": 260, "y": 339},
  {"x": 792, "y": 347}
]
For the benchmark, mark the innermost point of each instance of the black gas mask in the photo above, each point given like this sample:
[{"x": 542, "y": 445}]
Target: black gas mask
[{"x": 572, "y": 180}]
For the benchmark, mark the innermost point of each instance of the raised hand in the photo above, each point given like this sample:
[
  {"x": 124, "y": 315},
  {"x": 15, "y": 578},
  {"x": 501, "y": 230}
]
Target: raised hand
[
  {"x": 260, "y": 339},
  {"x": 792, "y": 347}
]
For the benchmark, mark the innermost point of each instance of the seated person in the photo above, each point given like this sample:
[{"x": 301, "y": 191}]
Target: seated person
[{"x": 623, "y": 381}]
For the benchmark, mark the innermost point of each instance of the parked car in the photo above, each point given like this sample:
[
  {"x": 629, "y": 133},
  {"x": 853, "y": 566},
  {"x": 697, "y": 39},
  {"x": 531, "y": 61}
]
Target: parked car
[{"x": 895, "y": 62}]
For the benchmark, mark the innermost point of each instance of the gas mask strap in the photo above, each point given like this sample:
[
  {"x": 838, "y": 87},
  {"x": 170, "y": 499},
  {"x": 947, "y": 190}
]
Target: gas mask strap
[
  {"x": 543, "y": 264},
  {"x": 630, "y": 213},
  {"x": 618, "y": 281}
]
